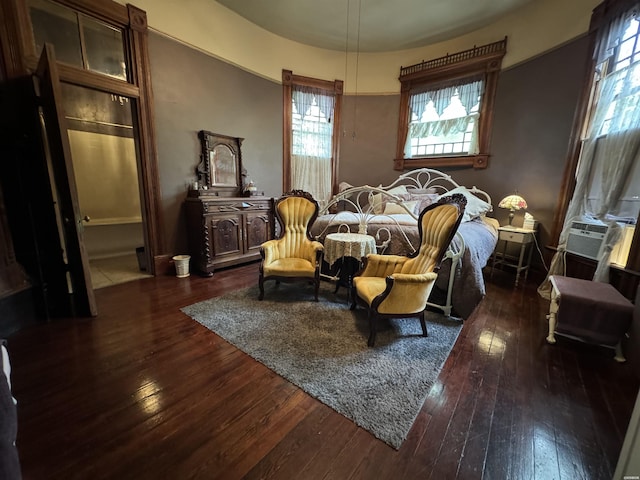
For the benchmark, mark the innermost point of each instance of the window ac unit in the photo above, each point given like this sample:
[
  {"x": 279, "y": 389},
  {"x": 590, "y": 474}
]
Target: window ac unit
[{"x": 586, "y": 238}]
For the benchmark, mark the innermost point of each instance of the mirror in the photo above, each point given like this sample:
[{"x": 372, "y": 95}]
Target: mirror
[
  {"x": 223, "y": 166},
  {"x": 220, "y": 169}
]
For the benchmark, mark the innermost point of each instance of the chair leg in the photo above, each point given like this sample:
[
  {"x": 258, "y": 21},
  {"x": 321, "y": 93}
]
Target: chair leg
[
  {"x": 619, "y": 355},
  {"x": 316, "y": 287},
  {"x": 423, "y": 323},
  {"x": 353, "y": 294},
  {"x": 372, "y": 328},
  {"x": 261, "y": 287}
]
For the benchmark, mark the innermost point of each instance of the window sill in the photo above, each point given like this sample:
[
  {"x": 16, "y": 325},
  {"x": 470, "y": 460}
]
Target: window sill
[
  {"x": 593, "y": 263},
  {"x": 476, "y": 161}
]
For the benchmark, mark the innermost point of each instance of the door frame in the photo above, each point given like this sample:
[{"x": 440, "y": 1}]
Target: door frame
[{"x": 19, "y": 58}]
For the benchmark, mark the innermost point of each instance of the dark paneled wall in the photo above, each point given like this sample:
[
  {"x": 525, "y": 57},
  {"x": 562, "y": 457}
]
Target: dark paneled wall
[
  {"x": 193, "y": 91},
  {"x": 534, "y": 114},
  {"x": 367, "y": 157}
]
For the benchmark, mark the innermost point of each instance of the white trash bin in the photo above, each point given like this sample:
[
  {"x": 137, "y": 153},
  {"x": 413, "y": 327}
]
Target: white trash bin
[{"x": 182, "y": 265}]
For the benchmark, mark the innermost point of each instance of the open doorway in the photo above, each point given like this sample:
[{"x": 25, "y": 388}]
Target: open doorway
[{"x": 104, "y": 156}]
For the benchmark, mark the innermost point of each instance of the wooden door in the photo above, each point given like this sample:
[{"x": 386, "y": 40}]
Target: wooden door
[{"x": 63, "y": 182}]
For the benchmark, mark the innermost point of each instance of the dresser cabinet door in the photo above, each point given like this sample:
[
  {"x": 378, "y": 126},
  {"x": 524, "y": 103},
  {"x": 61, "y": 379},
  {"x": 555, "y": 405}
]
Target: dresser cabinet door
[
  {"x": 226, "y": 236},
  {"x": 257, "y": 229}
]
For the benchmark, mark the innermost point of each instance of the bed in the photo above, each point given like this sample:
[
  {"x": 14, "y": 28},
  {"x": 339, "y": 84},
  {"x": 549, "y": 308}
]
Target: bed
[{"x": 390, "y": 214}]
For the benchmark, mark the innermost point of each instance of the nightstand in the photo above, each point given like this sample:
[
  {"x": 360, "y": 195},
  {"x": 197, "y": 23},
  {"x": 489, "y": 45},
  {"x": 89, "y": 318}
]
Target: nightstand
[{"x": 519, "y": 236}]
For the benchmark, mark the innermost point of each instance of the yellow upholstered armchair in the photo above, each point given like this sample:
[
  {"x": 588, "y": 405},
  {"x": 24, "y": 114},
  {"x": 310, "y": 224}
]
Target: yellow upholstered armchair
[
  {"x": 397, "y": 286},
  {"x": 295, "y": 255}
]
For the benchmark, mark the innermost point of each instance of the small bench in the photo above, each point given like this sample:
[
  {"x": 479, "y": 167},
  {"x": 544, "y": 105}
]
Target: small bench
[{"x": 590, "y": 311}]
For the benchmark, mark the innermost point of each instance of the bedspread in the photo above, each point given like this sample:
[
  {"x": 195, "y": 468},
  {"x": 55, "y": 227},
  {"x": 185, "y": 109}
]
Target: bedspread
[{"x": 480, "y": 238}]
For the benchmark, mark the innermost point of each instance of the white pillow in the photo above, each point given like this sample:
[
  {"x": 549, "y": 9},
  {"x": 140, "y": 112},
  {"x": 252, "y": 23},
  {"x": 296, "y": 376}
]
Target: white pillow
[
  {"x": 475, "y": 206},
  {"x": 395, "y": 208},
  {"x": 379, "y": 199}
]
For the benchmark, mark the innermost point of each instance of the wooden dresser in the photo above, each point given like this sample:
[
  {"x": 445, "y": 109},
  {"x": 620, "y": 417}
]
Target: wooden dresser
[{"x": 225, "y": 231}]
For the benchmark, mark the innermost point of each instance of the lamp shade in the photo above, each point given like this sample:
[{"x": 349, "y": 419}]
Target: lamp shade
[{"x": 513, "y": 202}]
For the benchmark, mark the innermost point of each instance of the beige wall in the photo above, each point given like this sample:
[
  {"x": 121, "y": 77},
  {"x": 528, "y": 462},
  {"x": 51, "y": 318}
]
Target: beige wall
[{"x": 535, "y": 28}]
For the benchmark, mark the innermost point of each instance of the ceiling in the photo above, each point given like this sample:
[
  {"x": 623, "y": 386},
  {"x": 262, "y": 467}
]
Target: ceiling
[{"x": 371, "y": 25}]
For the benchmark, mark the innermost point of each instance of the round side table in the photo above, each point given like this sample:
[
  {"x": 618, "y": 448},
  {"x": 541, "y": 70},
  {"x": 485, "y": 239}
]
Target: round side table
[{"x": 348, "y": 249}]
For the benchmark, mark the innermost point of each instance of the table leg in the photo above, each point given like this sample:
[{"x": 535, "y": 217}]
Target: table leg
[
  {"x": 495, "y": 256},
  {"x": 493, "y": 264},
  {"x": 526, "y": 272},
  {"x": 348, "y": 267},
  {"x": 553, "y": 311},
  {"x": 520, "y": 258},
  {"x": 619, "y": 355}
]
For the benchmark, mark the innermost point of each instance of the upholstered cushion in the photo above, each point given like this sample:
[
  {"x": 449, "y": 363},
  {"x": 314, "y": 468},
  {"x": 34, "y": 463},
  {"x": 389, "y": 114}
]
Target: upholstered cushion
[
  {"x": 289, "y": 247},
  {"x": 369, "y": 288},
  {"x": 408, "y": 295},
  {"x": 436, "y": 227},
  {"x": 382, "y": 265},
  {"x": 290, "y": 267}
]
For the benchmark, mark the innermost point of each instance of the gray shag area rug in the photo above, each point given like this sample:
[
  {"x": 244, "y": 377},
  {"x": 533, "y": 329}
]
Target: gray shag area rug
[{"x": 322, "y": 348}]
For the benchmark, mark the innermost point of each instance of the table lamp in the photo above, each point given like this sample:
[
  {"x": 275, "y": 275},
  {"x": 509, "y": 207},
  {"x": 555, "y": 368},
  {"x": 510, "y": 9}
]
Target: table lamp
[{"x": 513, "y": 202}]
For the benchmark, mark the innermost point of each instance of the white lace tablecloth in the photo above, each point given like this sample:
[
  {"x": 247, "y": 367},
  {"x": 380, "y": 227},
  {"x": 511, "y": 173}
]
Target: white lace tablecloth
[{"x": 356, "y": 245}]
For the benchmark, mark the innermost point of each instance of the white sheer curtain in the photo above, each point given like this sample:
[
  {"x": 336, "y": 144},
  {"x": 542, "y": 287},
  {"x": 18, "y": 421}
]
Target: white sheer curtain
[
  {"x": 311, "y": 154},
  {"x": 436, "y": 122},
  {"x": 609, "y": 152}
]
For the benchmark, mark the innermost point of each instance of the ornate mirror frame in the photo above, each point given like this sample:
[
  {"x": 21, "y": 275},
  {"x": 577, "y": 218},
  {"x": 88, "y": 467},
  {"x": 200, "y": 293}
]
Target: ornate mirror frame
[{"x": 220, "y": 168}]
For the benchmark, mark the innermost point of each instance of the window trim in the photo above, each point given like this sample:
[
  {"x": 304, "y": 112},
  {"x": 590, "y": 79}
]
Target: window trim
[
  {"x": 333, "y": 88},
  {"x": 485, "y": 60}
]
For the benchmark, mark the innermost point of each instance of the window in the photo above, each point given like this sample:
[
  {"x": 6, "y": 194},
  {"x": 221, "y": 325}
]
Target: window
[
  {"x": 444, "y": 121},
  {"x": 311, "y": 126},
  {"x": 446, "y": 108},
  {"x": 612, "y": 134},
  {"x": 79, "y": 40}
]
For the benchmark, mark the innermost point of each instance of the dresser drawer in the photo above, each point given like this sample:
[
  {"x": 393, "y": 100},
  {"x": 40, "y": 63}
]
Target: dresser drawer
[
  {"x": 235, "y": 206},
  {"x": 516, "y": 237}
]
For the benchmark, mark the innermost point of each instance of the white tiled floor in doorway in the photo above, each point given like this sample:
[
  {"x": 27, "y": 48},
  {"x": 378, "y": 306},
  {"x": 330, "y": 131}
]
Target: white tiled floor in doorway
[{"x": 114, "y": 270}]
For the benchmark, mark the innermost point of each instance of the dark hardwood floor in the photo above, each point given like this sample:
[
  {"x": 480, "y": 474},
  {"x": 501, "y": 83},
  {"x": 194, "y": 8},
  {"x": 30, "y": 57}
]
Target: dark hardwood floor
[{"x": 142, "y": 391}]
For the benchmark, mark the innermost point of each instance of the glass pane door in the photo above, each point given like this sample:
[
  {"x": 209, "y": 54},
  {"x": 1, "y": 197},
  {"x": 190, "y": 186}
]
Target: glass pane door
[{"x": 103, "y": 151}]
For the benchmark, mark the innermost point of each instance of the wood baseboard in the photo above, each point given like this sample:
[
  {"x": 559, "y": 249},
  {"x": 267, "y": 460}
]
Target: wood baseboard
[{"x": 163, "y": 265}]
